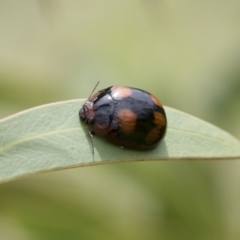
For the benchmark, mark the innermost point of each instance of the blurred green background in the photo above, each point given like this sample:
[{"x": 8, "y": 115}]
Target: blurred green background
[{"x": 185, "y": 52}]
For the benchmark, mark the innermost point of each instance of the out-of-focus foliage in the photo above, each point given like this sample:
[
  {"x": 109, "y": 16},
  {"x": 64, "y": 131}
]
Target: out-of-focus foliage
[{"x": 185, "y": 52}]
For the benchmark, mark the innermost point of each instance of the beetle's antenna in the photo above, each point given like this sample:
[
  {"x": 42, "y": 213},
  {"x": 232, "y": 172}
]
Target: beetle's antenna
[{"x": 94, "y": 89}]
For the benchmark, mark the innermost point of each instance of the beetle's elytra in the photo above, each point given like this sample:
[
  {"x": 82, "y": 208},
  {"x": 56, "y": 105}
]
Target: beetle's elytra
[{"x": 126, "y": 116}]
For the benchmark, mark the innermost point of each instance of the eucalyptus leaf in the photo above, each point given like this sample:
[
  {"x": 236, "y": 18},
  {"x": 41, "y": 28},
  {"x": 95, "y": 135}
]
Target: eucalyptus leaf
[{"x": 51, "y": 137}]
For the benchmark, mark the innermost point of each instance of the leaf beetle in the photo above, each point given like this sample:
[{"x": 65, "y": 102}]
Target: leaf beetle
[{"x": 125, "y": 116}]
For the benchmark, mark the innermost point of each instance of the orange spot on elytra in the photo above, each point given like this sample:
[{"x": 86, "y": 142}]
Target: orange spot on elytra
[
  {"x": 121, "y": 92},
  {"x": 126, "y": 120},
  {"x": 100, "y": 128},
  {"x": 159, "y": 119},
  {"x": 155, "y": 100},
  {"x": 154, "y": 135}
]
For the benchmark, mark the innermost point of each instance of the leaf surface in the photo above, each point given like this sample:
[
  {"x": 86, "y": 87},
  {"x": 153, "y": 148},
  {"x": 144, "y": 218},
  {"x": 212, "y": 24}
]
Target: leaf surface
[{"x": 51, "y": 137}]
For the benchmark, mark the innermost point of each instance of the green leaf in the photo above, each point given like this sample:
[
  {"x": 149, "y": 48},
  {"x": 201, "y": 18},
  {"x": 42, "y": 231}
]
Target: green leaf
[{"x": 51, "y": 137}]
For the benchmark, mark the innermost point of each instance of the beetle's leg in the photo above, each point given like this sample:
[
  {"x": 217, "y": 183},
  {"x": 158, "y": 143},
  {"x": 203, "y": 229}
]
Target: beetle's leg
[{"x": 91, "y": 133}]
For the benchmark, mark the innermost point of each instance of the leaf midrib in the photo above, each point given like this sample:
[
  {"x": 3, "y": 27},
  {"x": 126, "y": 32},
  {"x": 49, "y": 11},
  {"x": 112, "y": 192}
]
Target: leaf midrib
[
  {"x": 39, "y": 135},
  {"x": 25, "y": 139}
]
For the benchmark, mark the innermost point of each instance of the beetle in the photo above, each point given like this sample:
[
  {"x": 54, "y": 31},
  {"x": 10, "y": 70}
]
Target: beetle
[{"x": 126, "y": 116}]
